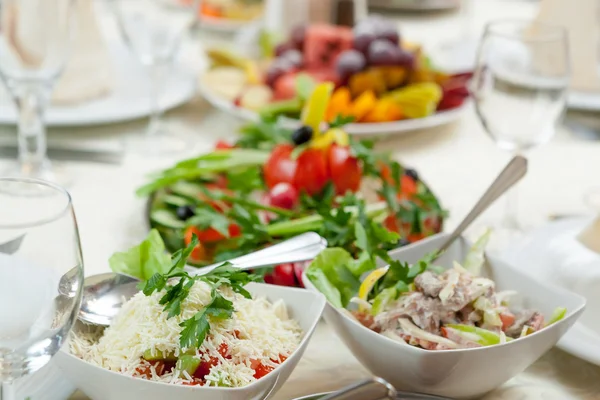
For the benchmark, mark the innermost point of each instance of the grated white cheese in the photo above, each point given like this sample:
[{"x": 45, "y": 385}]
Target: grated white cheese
[{"x": 258, "y": 332}]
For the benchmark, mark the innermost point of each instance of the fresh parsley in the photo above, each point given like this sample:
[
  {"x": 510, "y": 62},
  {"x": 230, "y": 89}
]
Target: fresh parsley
[{"x": 196, "y": 328}]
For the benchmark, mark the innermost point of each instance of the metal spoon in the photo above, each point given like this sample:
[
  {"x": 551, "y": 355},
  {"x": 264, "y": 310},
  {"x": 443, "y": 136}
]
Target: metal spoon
[
  {"x": 511, "y": 174},
  {"x": 104, "y": 294}
]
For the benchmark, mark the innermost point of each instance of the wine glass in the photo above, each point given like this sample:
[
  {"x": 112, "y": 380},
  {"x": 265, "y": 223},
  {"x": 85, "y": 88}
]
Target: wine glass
[
  {"x": 35, "y": 38},
  {"x": 520, "y": 88},
  {"x": 154, "y": 31},
  {"x": 41, "y": 275}
]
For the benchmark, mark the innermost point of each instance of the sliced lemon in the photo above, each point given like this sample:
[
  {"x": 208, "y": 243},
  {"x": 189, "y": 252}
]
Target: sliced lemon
[
  {"x": 335, "y": 135},
  {"x": 316, "y": 106},
  {"x": 367, "y": 285}
]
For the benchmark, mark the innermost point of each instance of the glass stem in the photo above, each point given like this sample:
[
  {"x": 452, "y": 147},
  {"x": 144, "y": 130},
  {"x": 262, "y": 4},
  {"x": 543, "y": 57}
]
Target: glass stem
[
  {"x": 511, "y": 219},
  {"x": 31, "y": 102},
  {"x": 158, "y": 75},
  {"x": 7, "y": 391}
]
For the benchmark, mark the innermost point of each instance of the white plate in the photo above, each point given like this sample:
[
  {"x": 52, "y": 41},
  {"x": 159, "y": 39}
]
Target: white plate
[
  {"x": 532, "y": 252},
  {"x": 583, "y": 101},
  {"x": 128, "y": 99},
  {"x": 362, "y": 129}
]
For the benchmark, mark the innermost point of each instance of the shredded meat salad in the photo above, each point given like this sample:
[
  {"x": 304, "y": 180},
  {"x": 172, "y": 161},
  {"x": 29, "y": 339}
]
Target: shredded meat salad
[{"x": 452, "y": 309}]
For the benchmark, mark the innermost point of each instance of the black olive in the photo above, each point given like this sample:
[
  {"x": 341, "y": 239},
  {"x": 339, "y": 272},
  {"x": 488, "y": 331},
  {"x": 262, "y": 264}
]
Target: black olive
[
  {"x": 403, "y": 242},
  {"x": 185, "y": 212},
  {"x": 302, "y": 135},
  {"x": 412, "y": 173}
]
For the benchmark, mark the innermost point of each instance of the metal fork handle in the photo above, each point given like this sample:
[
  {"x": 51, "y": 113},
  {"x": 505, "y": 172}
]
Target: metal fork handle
[
  {"x": 511, "y": 174},
  {"x": 371, "y": 389},
  {"x": 303, "y": 247}
]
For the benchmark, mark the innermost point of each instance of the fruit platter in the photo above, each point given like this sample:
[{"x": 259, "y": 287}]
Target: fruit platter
[
  {"x": 227, "y": 14},
  {"x": 382, "y": 84},
  {"x": 274, "y": 183}
]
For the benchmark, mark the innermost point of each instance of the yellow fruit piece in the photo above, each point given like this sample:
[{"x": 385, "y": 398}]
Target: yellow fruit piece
[
  {"x": 385, "y": 110},
  {"x": 417, "y": 100},
  {"x": 316, "y": 107},
  {"x": 335, "y": 135},
  {"x": 339, "y": 104},
  {"x": 367, "y": 285},
  {"x": 371, "y": 79},
  {"x": 363, "y": 105}
]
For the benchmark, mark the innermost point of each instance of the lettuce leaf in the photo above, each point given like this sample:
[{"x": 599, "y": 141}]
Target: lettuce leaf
[
  {"x": 144, "y": 260},
  {"x": 330, "y": 274}
]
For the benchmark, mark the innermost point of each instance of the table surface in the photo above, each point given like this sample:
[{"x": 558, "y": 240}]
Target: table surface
[{"x": 458, "y": 161}]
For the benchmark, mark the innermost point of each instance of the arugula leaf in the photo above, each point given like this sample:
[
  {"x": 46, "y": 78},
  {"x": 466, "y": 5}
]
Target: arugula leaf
[{"x": 144, "y": 260}]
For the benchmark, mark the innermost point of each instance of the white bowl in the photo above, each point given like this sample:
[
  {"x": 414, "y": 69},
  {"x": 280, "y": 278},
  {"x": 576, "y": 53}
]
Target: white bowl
[
  {"x": 101, "y": 384},
  {"x": 458, "y": 373}
]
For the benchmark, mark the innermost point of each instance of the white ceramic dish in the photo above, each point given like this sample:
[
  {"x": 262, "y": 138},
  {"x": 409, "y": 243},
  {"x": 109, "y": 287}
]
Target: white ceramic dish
[
  {"x": 583, "y": 101},
  {"x": 100, "y": 384},
  {"x": 551, "y": 253},
  {"x": 458, "y": 373},
  {"x": 363, "y": 129},
  {"x": 128, "y": 99}
]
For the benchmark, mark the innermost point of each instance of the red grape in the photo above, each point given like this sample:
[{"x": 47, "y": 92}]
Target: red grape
[
  {"x": 297, "y": 37},
  {"x": 404, "y": 58},
  {"x": 282, "y": 48},
  {"x": 349, "y": 63},
  {"x": 278, "y": 68},
  {"x": 363, "y": 38},
  {"x": 388, "y": 31},
  {"x": 295, "y": 57},
  {"x": 382, "y": 52}
]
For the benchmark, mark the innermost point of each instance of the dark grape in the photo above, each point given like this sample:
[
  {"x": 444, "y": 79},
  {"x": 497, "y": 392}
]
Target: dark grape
[
  {"x": 297, "y": 37},
  {"x": 382, "y": 52},
  {"x": 278, "y": 67},
  {"x": 363, "y": 36},
  {"x": 349, "y": 63},
  {"x": 388, "y": 31},
  {"x": 282, "y": 48},
  {"x": 405, "y": 58},
  {"x": 295, "y": 57}
]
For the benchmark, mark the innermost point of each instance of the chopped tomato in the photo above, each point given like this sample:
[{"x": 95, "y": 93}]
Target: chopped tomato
[
  {"x": 161, "y": 367},
  {"x": 204, "y": 368},
  {"x": 281, "y": 359},
  {"x": 408, "y": 187},
  {"x": 345, "y": 169},
  {"x": 283, "y": 275},
  {"x": 415, "y": 237},
  {"x": 311, "y": 174},
  {"x": 223, "y": 145},
  {"x": 280, "y": 167},
  {"x": 391, "y": 224},
  {"x": 199, "y": 252},
  {"x": 195, "y": 382},
  {"x": 224, "y": 350},
  {"x": 507, "y": 319},
  {"x": 209, "y": 235},
  {"x": 262, "y": 370}
]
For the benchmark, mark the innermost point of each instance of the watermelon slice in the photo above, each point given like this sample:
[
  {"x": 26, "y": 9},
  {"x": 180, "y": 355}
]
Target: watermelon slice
[{"x": 324, "y": 43}]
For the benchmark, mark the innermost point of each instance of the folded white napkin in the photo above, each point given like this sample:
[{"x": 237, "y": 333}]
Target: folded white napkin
[{"x": 580, "y": 18}]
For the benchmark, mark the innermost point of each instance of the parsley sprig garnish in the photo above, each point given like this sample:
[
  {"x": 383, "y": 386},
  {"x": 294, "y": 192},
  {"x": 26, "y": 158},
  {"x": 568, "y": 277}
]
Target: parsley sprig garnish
[{"x": 196, "y": 328}]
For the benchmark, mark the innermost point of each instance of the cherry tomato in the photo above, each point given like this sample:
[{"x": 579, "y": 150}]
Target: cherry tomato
[
  {"x": 299, "y": 268},
  {"x": 312, "y": 174},
  {"x": 283, "y": 195},
  {"x": 283, "y": 275},
  {"x": 223, "y": 145},
  {"x": 507, "y": 319},
  {"x": 268, "y": 278},
  {"x": 345, "y": 169},
  {"x": 280, "y": 167}
]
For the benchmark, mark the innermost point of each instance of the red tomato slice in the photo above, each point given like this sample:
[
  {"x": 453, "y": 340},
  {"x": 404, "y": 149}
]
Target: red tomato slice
[
  {"x": 312, "y": 174},
  {"x": 283, "y": 275},
  {"x": 345, "y": 169},
  {"x": 280, "y": 167},
  {"x": 224, "y": 350},
  {"x": 262, "y": 370}
]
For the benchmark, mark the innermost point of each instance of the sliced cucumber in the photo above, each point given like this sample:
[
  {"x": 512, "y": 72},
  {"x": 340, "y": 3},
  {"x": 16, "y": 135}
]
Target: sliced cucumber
[
  {"x": 175, "y": 201},
  {"x": 158, "y": 355},
  {"x": 187, "y": 189},
  {"x": 166, "y": 218}
]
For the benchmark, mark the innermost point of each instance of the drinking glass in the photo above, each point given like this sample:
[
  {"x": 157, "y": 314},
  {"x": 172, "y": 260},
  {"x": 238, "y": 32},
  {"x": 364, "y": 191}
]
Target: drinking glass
[
  {"x": 519, "y": 88},
  {"x": 41, "y": 276},
  {"x": 154, "y": 31},
  {"x": 35, "y": 38}
]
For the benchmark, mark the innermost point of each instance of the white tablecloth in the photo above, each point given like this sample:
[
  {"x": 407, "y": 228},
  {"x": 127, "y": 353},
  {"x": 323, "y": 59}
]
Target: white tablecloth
[{"x": 458, "y": 161}]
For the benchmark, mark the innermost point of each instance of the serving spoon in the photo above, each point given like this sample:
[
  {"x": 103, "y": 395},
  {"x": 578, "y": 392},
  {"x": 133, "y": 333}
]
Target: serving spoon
[{"x": 104, "y": 294}]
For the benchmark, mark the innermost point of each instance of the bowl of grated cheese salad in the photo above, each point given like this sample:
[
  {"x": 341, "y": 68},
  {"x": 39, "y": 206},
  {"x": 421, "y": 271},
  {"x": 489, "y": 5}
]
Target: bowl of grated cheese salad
[{"x": 217, "y": 336}]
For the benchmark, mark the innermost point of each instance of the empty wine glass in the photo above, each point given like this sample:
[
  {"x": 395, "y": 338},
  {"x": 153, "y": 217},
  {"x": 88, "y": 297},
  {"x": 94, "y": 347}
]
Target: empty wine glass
[
  {"x": 154, "y": 31},
  {"x": 519, "y": 87},
  {"x": 35, "y": 38},
  {"x": 41, "y": 276}
]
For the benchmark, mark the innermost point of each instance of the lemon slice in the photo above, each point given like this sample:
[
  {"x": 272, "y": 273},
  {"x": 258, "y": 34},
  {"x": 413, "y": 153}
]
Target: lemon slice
[
  {"x": 334, "y": 135},
  {"x": 316, "y": 106},
  {"x": 367, "y": 285}
]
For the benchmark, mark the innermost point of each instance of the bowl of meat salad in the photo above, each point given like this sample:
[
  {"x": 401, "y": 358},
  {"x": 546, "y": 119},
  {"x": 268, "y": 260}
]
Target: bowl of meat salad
[{"x": 459, "y": 327}]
